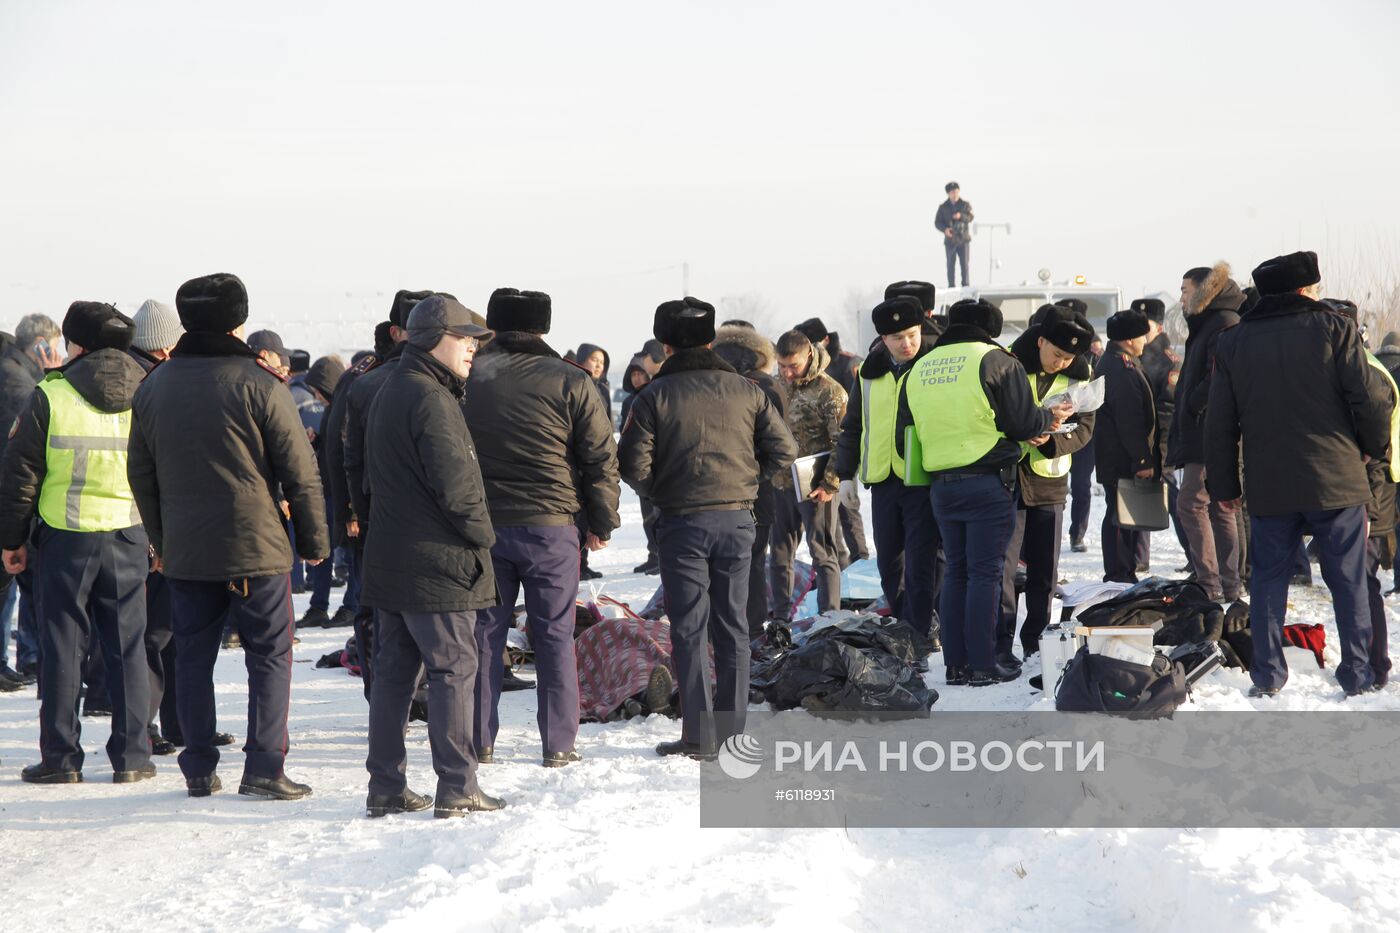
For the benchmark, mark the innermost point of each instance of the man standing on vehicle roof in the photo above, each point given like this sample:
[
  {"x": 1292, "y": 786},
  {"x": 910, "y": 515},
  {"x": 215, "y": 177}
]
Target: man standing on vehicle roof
[{"x": 953, "y": 220}]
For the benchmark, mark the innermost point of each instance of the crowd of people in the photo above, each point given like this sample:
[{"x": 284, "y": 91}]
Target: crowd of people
[{"x": 168, "y": 485}]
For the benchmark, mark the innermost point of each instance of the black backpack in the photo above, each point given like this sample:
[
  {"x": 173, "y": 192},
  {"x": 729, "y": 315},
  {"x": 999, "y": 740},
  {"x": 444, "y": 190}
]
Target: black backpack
[{"x": 1093, "y": 683}]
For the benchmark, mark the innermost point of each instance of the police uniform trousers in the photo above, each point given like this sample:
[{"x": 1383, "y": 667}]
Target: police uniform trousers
[
  {"x": 444, "y": 644},
  {"x": 850, "y": 545},
  {"x": 1342, "y": 537},
  {"x": 1035, "y": 539},
  {"x": 957, "y": 252},
  {"x": 790, "y": 519},
  {"x": 1081, "y": 491},
  {"x": 1120, "y": 545},
  {"x": 908, "y": 551},
  {"x": 705, "y": 575},
  {"x": 543, "y": 561},
  {"x": 160, "y": 658},
  {"x": 1380, "y": 633},
  {"x": 976, "y": 513},
  {"x": 93, "y": 589},
  {"x": 259, "y": 609}
]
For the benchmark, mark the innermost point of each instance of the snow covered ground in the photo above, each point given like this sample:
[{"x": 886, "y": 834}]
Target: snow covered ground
[{"x": 614, "y": 843}]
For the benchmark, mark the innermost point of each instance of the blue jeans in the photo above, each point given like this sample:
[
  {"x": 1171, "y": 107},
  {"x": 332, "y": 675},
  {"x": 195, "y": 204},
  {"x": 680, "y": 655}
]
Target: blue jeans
[
  {"x": 1274, "y": 541},
  {"x": 976, "y": 515}
]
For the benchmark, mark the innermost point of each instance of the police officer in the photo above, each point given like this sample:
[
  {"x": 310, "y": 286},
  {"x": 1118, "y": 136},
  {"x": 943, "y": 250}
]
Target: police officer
[
  {"x": 700, "y": 439},
  {"x": 971, "y": 404},
  {"x": 933, "y": 323},
  {"x": 66, "y": 460},
  {"x": 906, "y": 536},
  {"x": 1125, "y": 439},
  {"x": 427, "y": 562},
  {"x": 1053, "y": 353},
  {"x": 1293, "y": 383},
  {"x": 1162, "y": 366},
  {"x": 547, "y": 454},
  {"x": 214, "y": 434}
]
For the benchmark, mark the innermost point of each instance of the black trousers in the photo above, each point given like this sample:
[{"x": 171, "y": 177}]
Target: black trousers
[
  {"x": 957, "y": 252},
  {"x": 1081, "y": 491},
  {"x": 445, "y": 644},
  {"x": 1036, "y": 540},
  {"x": 1120, "y": 545},
  {"x": 261, "y": 614},
  {"x": 908, "y": 551},
  {"x": 705, "y": 572},
  {"x": 93, "y": 590},
  {"x": 758, "y": 580},
  {"x": 850, "y": 545},
  {"x": 160, "y": 658},
  {"x": 649, "y": 516}
]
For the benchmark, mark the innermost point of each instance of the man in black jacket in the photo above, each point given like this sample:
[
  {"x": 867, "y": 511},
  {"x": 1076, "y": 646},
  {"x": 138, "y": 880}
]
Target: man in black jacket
[
  {"x": 66, "y": 463},
  {"x": 1125, "y": 438},
  {"x": 359, "y": 396},
  {"x": 971, "y": 405},
  {"x": 1212, "y": 301},
  {"x": 428, "y": 562},
  {"x": 547, "y": 454},
  {"x": 700, "y": 440},
  {"x": 1293, "y": 383},
  {"x": 752, "y": 356},
  {"x": 1162, "y": 366},
  {"x": 954, "y": 221},
  {"x": 214, "y": 434},
  {"x": 907, "y": 544},
  {"x": 1054, "y": 354}
]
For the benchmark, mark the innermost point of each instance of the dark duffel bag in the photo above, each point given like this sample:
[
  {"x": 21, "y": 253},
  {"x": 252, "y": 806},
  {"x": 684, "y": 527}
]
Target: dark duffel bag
[{"x": 1093, "y": 683}]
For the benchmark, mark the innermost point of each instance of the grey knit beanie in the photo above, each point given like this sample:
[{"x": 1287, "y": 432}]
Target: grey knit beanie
[{"x": 157, "y": 327}]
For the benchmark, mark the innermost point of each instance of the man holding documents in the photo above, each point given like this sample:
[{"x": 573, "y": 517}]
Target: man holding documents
[
  {"x": 1054, "y": 353},
  {"x": 971, "y": 405},
  {"x": 816, "y": 404},
  {"x": 1126, "y": 436},
  {"x": 698, "y": 441},
  {"x": 906, "y": 536}
]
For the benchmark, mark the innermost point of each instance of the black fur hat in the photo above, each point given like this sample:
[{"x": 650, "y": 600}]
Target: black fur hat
[
  {"x": 922, "y": 292},
  {"x": 978, "y": 313},
  {"x": 383, "y": 343},
  {"x": 1074, "y": 304},
  {"x": 215, "y": 304},
  {"x": 404, "y": 300},
  {"x": 512, "y": 309},
  {"x": 1289, "y": 273},
  {"x": 1125, "y": 325},
  {"x": 814, "y": 329},
  {"x": 1069, "y": 334},
  {"x": 1154, "y": 308},
  {"x": 96, "y": 325},
  {"x": 896, "y": 314},
  {"x": 684, "y": 324}
]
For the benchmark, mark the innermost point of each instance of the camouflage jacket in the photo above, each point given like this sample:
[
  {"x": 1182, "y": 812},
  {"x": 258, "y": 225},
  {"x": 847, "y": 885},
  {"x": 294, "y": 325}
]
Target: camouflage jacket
[{"x": 815, "y": 405}]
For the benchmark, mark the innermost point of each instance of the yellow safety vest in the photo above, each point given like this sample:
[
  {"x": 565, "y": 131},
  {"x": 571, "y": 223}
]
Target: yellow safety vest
[
  {"x": 879, "y": 406},
  {"x": 1393, "y": 465},
  {"x": 85, "y": 486},
  {"x": 1041, "y": 465},
  {"x": 953, "y": 418}
]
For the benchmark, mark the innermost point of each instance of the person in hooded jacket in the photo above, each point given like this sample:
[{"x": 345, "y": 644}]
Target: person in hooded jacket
[
  {"x": 1211, "y": 300},
  {"x": 66, "y": 462},
  {"x": 971, "y": 405},
  {"x": 907, "y": 543},
  {"x": 752, "y": 356},
  {"x": 700, "y": 440},
  {"x": 548, "y": 460},
  {"x": 214, "y": 435},
  {"x": 1054, "y": 354},
  {"x": 1125, "y": 436},
  {"x": 634, "y": 380},
  {"x": 1294, "y": 394},
  {"x": 843, "y": 367}
]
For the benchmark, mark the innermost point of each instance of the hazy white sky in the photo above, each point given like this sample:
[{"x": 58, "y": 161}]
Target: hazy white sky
[{"x": 330, "y": 153}]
